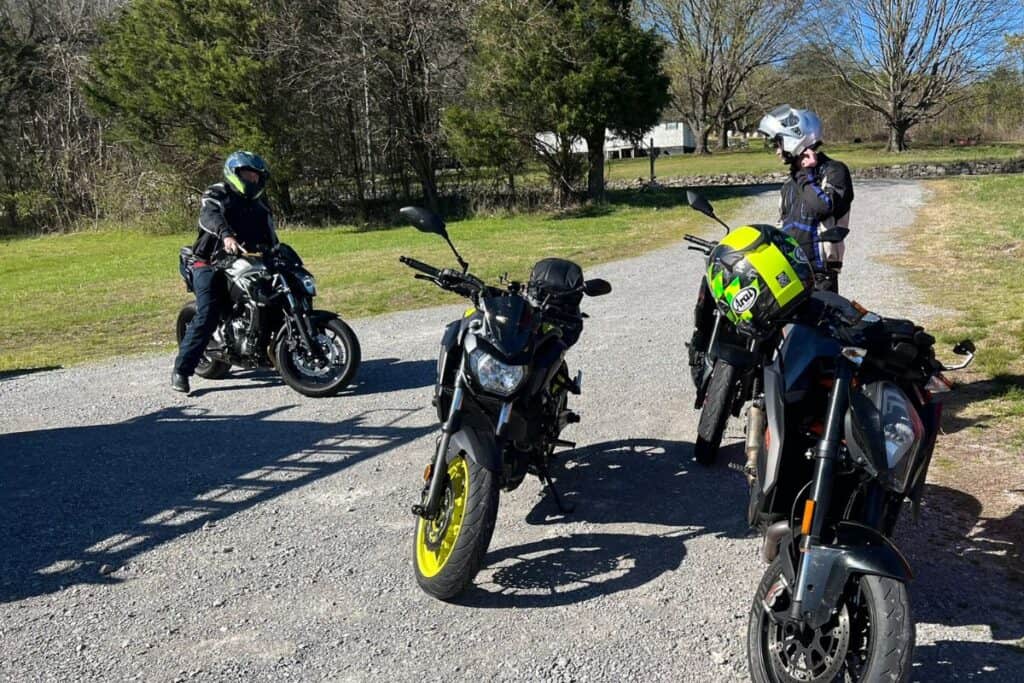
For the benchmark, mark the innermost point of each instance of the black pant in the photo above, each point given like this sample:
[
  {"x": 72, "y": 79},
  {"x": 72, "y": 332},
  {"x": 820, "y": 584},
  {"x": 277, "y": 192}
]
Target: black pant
[{"x": 208, "y": 284}]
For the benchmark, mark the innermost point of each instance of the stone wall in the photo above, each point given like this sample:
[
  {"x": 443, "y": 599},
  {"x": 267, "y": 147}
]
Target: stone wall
[{"x": 913, "y": 170}]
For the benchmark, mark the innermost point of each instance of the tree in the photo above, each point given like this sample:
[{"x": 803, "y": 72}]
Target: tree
[
  {"x": 909, "y": 60},
  {"x": 715, "y": 48},
  {"x": 189, "y": 80},
  {"x": 554, "y": 73}
]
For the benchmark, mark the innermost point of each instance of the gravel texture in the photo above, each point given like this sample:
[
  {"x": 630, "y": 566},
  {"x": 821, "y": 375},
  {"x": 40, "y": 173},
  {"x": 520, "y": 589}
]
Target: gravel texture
[{"x": 248, "y": 533}]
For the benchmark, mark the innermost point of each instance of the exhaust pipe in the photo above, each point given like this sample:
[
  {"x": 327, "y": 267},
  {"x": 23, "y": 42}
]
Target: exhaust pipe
[
  {"x": 772, "y": 536},
  {"x": 756, "y": 421}
]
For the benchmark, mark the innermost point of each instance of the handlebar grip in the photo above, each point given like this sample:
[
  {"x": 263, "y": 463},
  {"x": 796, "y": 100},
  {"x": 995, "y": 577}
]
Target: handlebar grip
[{"x": 420, "y": 266}]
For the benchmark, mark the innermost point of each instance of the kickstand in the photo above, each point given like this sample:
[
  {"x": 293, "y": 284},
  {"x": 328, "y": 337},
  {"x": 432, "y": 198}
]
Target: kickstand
[{"x": 564, "y": 508}]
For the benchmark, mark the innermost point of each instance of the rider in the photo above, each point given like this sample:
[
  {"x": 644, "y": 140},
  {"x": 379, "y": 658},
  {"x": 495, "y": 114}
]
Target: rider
[
  {"x": 233, "y": 213},
  {"x": 818, "y": 194}
]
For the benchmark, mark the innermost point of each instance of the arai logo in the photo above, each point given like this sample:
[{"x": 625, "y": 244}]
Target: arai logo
[
  {"x": 744, "y": 299},
  {"x": 799, "y": 255}
]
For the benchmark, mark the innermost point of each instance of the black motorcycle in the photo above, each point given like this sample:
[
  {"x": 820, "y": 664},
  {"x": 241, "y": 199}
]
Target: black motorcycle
[
  {"x": 271, "y": 322},
  {"x": 724, "y": 364},
  {"x": 501, "y": 397}
]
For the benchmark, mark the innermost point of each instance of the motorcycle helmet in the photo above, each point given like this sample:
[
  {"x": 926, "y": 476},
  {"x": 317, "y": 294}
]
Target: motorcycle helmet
[
  {"x": 794, "y": 130},
  {"x": 246, "y": 160},
  {"x": 756, "y": 275}
]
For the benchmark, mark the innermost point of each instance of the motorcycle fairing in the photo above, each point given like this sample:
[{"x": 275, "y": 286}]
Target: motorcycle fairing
[{"x": 508, "y": 328}]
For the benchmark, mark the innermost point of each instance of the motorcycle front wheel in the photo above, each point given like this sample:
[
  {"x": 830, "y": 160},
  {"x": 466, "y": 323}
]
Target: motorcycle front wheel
[
  {"x": 449, "y": 550},
  {"x": 715, "y": 413},
  {"x": 870, "y": 637},
  {"x": 324, "y": 376}
]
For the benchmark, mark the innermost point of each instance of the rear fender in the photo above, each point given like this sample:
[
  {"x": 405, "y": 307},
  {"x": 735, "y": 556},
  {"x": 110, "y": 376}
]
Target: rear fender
[
  {"x": 479, "y": 445},
  {"x": 858, "y": 551}
]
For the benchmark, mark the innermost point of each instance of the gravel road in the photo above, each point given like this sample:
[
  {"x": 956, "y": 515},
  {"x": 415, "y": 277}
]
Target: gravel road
[{"x": 248, "y": 533}]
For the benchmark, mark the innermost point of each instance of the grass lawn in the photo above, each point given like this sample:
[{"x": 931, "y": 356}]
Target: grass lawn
[
  {"x": 967, "y": 253},
  {"x": 87, "y": 296},
  {"x": 756, "y": 159}
]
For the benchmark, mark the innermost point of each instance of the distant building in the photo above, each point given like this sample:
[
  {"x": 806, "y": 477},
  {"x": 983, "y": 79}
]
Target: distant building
[{"x": 670, "y": 137}]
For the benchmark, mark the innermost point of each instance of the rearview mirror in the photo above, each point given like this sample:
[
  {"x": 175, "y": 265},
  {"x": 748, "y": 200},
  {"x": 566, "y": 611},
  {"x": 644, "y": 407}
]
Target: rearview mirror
[
  {"x": 699, "y": 203},
  {"x": 424, "y": 220},
  {"x": 834, "y": 235},
  {"x": 964, "y": 348},
  {"x": 597, "y": 287}
]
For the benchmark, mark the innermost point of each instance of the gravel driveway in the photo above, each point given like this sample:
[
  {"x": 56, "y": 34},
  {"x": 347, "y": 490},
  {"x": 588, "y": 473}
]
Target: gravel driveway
[{"x": 248, "y": 533}]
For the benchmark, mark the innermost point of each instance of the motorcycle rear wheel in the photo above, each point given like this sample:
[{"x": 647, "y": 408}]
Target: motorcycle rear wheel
[
  {"x": 871, "y": 638},
  {"x": 448, "y": 551},
  {"x": 207, "y": 367},
  {"x": 309, "y": 379},
  {"x": 715, "y": 413}
]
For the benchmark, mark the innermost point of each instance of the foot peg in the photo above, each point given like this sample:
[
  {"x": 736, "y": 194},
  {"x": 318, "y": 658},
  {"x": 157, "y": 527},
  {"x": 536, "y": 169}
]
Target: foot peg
[
  {"x": 564, "y": 444},
  {"x": 571, "y": 418}
]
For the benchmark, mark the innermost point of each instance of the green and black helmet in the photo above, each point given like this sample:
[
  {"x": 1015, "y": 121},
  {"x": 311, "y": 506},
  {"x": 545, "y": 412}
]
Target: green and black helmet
[{"x": 758, "y": 274}]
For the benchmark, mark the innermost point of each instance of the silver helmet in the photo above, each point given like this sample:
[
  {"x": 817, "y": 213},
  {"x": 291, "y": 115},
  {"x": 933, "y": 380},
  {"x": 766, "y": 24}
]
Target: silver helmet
[{"x": 794, "y": 129}]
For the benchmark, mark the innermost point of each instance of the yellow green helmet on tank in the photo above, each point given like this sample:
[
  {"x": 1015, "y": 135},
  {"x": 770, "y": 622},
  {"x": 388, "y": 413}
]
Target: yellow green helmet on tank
[{"x": 758, "y": 274}]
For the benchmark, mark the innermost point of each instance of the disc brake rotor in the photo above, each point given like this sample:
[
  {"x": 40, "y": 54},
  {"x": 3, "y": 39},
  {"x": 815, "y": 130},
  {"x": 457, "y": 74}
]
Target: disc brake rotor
[
  {"x": 333, "y": 358},
  {"x": 799, "y": 653}
]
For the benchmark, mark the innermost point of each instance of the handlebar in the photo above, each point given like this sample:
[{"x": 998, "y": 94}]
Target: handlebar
[{"x": 420, "y": 266}]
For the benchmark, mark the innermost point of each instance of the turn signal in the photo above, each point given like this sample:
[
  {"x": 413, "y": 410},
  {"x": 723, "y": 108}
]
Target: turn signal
[
  {"x": 805, "y": 524},
  {"x": 427, "y": 472}
]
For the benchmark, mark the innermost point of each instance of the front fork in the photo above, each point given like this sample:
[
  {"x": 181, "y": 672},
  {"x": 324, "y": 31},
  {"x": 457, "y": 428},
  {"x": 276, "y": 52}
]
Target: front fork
[
  {"x": 428, "y": 509},
  {"x": 826, "y": 456}
]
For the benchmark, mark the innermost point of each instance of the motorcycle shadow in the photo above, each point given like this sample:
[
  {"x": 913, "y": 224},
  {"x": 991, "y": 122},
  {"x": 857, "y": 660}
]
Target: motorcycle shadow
[
  {"x": 635, "y": 481},
  {"x": 376, "y": 376},
  {"x": 969, "y": 572},
  {"x": 948, "y": 660}
]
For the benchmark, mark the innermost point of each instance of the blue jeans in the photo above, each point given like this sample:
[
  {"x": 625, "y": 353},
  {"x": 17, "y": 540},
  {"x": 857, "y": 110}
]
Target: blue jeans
[{"x": 209, "y": 286}]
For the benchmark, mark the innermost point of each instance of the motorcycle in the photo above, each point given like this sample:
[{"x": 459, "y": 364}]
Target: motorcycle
[
  {"x": 270, "y": 322},
  {"x": 849, "y": 404},
  {"x": 501, "y": 397}
]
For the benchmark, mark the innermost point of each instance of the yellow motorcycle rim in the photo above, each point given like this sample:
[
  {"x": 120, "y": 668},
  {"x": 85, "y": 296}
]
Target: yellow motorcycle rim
[{"x": 435, "y": 539}]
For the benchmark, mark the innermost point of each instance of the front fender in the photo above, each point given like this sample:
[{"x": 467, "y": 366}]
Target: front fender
[
  {"x": 858, "y": 550},
  {"x": 479, "y": 445}
]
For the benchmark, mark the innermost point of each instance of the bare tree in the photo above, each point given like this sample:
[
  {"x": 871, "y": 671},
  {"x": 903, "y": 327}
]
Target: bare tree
[
  {"x": 909, "y": 60},
  {"x": 716, "y": 45}
]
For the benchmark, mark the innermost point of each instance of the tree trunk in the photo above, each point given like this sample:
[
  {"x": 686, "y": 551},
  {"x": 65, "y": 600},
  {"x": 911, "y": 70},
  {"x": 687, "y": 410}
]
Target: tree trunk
[
  {"x": 284, "y": 197},
  {"x": 702, "y": 133},
  {"x": 595, "y": 162},
  {"x": 898, "y": 137},
  {"x": 723, "y": 135}
]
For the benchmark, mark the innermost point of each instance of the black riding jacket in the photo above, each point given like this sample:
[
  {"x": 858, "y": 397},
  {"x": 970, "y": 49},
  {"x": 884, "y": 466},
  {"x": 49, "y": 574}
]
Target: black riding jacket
[
  {"x": 226, "y": 214},
  {"x": 817, "y": 198}
]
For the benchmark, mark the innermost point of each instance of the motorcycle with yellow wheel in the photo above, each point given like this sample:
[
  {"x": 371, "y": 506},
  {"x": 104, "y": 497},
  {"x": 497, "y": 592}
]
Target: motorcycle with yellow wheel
[{"x": 501, "y": 396}]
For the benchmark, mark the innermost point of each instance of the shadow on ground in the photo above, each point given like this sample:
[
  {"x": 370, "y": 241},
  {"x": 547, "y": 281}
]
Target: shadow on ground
[
  {"x": 969, "y": 573},
  {"x": 19, "y": 372},
  {"x": 377, "y": 376},
  {"x": 964, "y": 395},
  {"x": 79, "y": 498},
  {"x": 643, "y": 481}
]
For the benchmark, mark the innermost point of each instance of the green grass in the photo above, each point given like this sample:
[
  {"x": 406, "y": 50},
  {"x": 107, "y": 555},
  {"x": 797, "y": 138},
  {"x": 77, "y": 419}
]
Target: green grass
[
  {"x": 756, "y": 159},
  {"x": 93, "y": 295},
  {"x": 967, "y": 252}
]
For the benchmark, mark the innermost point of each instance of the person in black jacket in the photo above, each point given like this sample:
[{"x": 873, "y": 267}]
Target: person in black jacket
[
  {"x": 233, "y": 217},
  {"x": 818, "y": 194}
]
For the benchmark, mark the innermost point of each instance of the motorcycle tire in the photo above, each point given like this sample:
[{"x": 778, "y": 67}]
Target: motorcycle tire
[
  {"x": 871, "y": 638},
  {"x": 715, "y": 413},
  {"x": 288, "y": 363},
  {"x": 449, "y": 551},
  {"x": 207, "y": 367}
]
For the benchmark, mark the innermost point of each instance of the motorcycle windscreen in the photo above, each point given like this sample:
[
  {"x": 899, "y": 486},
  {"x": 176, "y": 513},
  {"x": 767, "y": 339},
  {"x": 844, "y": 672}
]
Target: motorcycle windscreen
[{"x": 508, "y": 325}]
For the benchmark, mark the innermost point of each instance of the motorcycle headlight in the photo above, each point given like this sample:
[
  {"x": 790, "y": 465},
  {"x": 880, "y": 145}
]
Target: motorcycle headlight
[
  {"x": 903, "y": 432},
  {"x": 310, "y": 284},
  {"x": 493, "y": 375}
]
